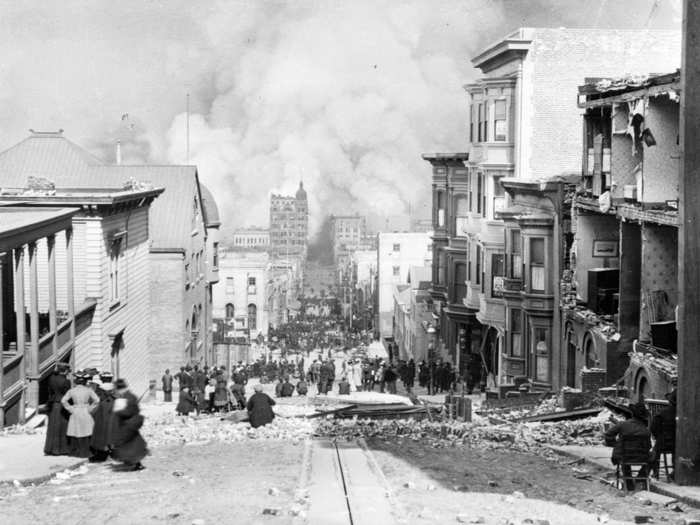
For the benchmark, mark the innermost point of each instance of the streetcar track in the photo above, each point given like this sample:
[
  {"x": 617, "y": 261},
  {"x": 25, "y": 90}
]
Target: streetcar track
[{"x": 342, "y": 477}]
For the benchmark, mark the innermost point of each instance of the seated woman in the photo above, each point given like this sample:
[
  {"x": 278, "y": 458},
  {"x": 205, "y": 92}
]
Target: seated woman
[{"x": 633, "y": 431}]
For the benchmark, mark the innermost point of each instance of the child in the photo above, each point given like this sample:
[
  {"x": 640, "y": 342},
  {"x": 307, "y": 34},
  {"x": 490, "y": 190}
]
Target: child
[{"x": 209, "y": 390}]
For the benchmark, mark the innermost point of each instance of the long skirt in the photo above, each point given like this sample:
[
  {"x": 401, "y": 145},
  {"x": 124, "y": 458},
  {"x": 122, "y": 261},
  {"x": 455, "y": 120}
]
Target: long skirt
[
  {"x": 167, "y": 396},
  {"x": 56, "y": 440},
  {"x": 80, "y": 446},
  {"x": 130, "y": 447}
]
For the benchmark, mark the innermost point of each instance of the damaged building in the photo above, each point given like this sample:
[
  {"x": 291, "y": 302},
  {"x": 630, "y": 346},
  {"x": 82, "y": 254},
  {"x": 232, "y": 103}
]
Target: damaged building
[{"x": 619, "y": 292}]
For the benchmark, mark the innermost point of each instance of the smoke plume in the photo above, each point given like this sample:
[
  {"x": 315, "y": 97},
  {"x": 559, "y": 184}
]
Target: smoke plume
[{"x": 344, "y": 95}]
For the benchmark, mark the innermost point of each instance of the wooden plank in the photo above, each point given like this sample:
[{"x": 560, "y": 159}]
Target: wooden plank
[
  {"x": 687, "y": 468},
  {"x": 563, "y": 416}
]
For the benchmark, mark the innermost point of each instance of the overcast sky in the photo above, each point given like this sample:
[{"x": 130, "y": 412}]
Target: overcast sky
[{"x": 344, "y": 94}]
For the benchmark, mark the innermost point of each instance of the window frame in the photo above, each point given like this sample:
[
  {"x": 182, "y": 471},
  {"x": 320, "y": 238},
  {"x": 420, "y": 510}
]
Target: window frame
[{"x": 532, "y": 264}]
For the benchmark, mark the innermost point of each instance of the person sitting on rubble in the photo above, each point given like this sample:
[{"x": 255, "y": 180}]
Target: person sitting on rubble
[
  {"x": 344, "y": 387},
  {"x": 302, "y": 387},
  {"x": 287, "y": 388},
  {"x": 663, "y": 428},
  {"x": 633, "y": 429},
  {"x": 260, "y": 408}
]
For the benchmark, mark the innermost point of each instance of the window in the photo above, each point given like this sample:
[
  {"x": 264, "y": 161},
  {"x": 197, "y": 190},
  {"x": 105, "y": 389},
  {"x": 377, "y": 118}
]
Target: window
[
  {"x": 461, "y": 215},
  {"x": 396, "y": 271},
  {"x": 516, "y": 259},
  {"x": 441, "y": 268},
  {"x": 396, "y": 248},
  {"x": 230, "y": 311},
  {"x": 537, "y": 275},
  {"x": 498, "y": 272},
  {"x": 477, "y": 277},
  {"x": 499, "y": 196},
  {"x": 251, "y": 281},
  {"x": 540, "y": 349},
  {"x": 480, "y": 114},
  {"x": 441, "y": 209},
  {"x": 215, "y": 255},
  {"x": 252, "y": 317},
  {"x": 115, "y": 258},
  {"x": 500, "y": 132},
  {"x": 516, "y": 330},
  {"x": 187, "y": 274},
  {"x": 471, "y": 123},
  {"x": 480, "y": 193},
  {"x": 460, "y": 286},
  {"x": 229, "y": 285}
]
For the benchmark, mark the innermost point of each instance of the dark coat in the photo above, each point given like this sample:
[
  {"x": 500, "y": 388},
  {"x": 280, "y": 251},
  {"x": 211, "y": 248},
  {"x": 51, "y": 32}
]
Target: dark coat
[
  {"x": 302, "y": 388},
  {"x": 56, "y": 443},
  {"x": 344, "y": 388},
  {"x": 129, "y": 446},
  {"x": 260, "y": 409},
  {"x": 167, "y": 381},
  {"x": 104, "y": 421},
  {"x": 186, "y": 404},
  {"x": 629, "y": 429},
  {"x": 287, "y": 389}
]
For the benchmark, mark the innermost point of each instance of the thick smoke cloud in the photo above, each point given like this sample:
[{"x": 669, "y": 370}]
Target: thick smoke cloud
[{"x": 344, "y": 95}]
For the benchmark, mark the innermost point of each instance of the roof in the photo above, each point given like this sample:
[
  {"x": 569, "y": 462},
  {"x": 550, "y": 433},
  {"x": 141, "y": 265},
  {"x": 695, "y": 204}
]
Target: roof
[
  {"x": 211, "y": 210},
  {"x": 82, "y": 196},
  {"x": 67, "y": 165},
  {"x": 627, "y": 83},
  {"x": 19, "y": 225},
  {"x": 445, "y": 158}
]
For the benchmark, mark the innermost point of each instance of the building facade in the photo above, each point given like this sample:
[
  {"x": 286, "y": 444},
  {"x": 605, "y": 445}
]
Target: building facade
[
  {"x": 180, "y": 245},
  {"x": 348, "y": 232},
  {"x": 250, "y": 239},
  {"x": 396, "y": 254},
  {"x": 240, "y": 297},
  {"x": 521, "y": 127},
  {"x": 289, "y": 224},
  {"x": 621, "y": 284}
]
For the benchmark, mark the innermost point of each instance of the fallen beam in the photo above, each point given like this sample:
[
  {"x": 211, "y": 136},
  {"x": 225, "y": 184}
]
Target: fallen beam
[{"x": 562, "y": 416}]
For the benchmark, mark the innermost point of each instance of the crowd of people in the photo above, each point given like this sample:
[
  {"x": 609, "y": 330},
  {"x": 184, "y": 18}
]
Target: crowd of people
[{"x": 93, "y": 417}]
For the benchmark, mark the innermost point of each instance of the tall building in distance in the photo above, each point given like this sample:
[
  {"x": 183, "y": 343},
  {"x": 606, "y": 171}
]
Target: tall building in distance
[
  {"x": 348, "y": 234},
  {"x": 289, "y": 224}
]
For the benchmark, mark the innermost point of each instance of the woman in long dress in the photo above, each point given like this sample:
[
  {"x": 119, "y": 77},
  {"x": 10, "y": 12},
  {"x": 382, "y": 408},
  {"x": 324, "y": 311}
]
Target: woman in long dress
[
  {"x": 80, "y": 425},
  {"x": 129, "y": 447},
  {"x": 56, "y": 440},
  {"x": 221, "y": 391}
]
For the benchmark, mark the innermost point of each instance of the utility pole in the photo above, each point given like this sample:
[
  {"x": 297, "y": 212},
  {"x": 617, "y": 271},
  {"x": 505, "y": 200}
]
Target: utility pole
[{"x": 687, "y": 467}]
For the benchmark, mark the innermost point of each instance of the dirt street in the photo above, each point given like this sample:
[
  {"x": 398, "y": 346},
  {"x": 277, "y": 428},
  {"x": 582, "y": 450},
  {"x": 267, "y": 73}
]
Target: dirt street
[
  {"x": 434, "y": 485},
  {"x": 216, "y": 483}
]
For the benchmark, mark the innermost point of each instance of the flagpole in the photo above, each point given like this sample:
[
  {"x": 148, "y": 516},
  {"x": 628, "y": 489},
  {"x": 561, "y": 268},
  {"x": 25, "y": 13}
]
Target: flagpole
[{"x": 188, "y": 128}]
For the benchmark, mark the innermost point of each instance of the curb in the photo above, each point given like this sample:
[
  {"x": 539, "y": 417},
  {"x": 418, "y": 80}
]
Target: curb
[
  {"x": 38, "y": 480},
  {"x": 654, "y": 486}
]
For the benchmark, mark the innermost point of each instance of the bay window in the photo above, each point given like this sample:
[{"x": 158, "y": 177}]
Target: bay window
[
  {"x": 500, "y": 122},
  {"x": 516, "y": 259},
  {"x": 516, "y": 330}
]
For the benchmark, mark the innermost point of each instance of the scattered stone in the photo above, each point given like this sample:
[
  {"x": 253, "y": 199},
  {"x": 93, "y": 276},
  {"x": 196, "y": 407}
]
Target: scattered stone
[
  {"x": 271, "y": 512},
  {"x": 430, "y": 487},
  {"x": 178, "y": 473},
  {"x": 493, "y": 484},
  {"x": 603, "y": 518},
  {"x": 465, "y": 518},
  {"x": 642, "y": 519},
  {"x": 409, "y": 485},
  {"x": 173, "y": 515},
  {"x": 296, "y": 510},
  {"x": 427, "y": 514},
  {"x": 461, "y": 488},
  {"x": 653, "y": 497},
  {"x": 518, "y": 494},
  {"x": 198, "y": 521},
  {"x": 274, "y": 491}
]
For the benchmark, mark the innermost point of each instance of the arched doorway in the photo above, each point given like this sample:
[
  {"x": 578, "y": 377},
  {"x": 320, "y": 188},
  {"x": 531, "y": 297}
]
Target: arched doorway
[
  {"x": 570, "y": 356},
  {"x": 230, "y": 311},
  {"x": 642, "y": 385},
  {"x": 589, "y": 352}
]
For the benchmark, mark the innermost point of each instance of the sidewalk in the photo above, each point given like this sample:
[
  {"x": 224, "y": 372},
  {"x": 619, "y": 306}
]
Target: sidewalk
[
  {"x": 22, "y": 459},
  {"x": 600, "y": 457},
  {"x": 22, "y": 456}
]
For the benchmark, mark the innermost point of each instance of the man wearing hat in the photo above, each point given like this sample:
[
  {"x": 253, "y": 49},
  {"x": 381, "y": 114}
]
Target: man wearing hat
[
  {"x": 129, "y": 447},
  {"x": 101, "y": 441},
  {"x": 56, "y": 443},
  {"x": 634, "y": 428}
]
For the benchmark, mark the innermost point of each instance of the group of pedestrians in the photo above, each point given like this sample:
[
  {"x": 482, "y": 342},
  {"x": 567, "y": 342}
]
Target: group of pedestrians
[
  {"x": 207, "y": 390},
  {"x": 95, "y": 417}
]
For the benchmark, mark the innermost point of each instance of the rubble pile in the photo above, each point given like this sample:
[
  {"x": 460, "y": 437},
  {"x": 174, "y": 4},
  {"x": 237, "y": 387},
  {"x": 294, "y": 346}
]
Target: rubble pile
[
  {"x": 528, "y": 437},
  {"x": 170, "y": 429}
]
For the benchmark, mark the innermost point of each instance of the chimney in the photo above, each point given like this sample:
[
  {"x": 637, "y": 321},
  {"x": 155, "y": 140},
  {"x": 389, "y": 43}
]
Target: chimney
[{"x": 119, "y": 152}]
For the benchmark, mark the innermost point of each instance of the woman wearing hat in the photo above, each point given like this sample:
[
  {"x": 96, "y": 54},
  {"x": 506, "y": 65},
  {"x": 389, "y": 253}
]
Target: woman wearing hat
[
  {"x": 129, "y": 447},
  {"x": 101, "y": 440},
  {"x": 56, "y": 440},
  {"x": 80, "y": 401}
]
